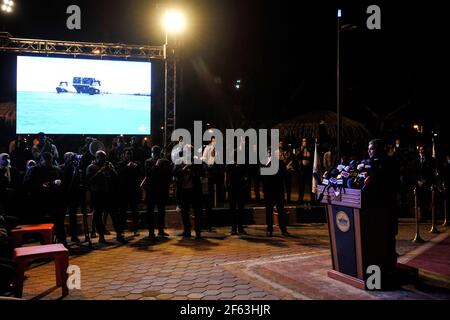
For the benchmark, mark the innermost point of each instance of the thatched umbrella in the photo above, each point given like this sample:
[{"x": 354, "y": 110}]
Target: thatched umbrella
[
  {"x": 308, "y": 125},
  {"x": 8, "y": 112}
]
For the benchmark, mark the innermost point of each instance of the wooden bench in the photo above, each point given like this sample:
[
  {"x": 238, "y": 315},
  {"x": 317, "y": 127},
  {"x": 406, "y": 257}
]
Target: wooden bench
[
  {"x": 24, "y": 256},
  {"x": 45, "y": 230}
]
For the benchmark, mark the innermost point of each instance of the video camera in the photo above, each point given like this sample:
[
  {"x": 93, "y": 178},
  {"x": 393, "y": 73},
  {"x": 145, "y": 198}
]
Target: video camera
[
  {"x": 77, "y": 159},
  {"x": 74, "y": 159}
]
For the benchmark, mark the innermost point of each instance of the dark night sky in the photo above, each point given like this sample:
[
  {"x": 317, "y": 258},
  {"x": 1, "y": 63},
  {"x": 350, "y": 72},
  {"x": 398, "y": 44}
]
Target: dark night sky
[{"x": 284, "y": 51}]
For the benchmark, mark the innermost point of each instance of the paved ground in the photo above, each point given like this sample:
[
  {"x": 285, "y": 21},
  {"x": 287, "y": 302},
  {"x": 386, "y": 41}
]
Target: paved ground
[{"x": 223, "y": 267}]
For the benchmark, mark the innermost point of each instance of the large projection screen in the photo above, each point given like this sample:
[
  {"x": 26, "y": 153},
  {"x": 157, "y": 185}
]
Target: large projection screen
[{"x": 82, "y": 96}]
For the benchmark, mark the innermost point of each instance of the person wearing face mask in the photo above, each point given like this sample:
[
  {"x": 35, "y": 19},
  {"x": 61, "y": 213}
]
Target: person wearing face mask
[
  {"x": 103, "y": 183},
  {"x": 44, "y": 183}
]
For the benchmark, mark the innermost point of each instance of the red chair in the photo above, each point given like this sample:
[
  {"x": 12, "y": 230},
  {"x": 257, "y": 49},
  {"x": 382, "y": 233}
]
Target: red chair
[
  {"x": 45, "y": 230},
  {"x": 24, "y": 256}
]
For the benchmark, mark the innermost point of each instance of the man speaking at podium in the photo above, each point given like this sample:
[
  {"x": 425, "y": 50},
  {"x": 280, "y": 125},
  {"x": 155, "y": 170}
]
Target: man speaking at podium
[{"x": 381, "y": 191}]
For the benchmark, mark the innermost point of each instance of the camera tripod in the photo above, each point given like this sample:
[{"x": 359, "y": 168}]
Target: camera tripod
[{"x": 87, "y": 237}]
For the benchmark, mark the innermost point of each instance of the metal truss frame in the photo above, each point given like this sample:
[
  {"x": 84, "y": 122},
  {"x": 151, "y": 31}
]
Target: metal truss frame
[{"x": 106, "y": 50}]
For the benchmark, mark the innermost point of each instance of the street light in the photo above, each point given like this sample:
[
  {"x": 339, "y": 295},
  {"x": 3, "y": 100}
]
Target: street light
[
  {"x": 345, "y": 27},
  {"x": 7, "y": 6},
  {"x": 174, "y": 23}
]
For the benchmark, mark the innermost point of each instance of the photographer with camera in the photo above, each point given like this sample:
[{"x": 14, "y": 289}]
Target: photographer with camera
[
  {"x": 44, "y": 144},
  {"x": 103, "y": 182},
  {"x": 72, "y": 189},
  {"x": 44, "y": 183}
]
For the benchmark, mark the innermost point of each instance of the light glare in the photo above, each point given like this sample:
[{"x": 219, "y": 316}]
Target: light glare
[{"x": 174, "y": 21}]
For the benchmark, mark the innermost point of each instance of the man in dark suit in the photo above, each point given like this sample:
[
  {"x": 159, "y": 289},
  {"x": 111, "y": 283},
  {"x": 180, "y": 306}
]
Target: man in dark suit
[
  {"x": 304, "y": 165},
  {"x": 274, "y": 195},
  {"x": 424, "y": 179},
  {"x": 103, "y": 183},
  {"x": 381, "y": 192},
  {"x": 158, "y": 174},
  {"x": 189, "y": 188},
  {"x": 237, "y": 185},
  {"x": 130, "y": 174}
]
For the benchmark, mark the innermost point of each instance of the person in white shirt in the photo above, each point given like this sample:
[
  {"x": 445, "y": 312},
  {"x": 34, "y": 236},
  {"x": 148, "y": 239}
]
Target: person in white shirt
[{"x": 209, "y": 154}]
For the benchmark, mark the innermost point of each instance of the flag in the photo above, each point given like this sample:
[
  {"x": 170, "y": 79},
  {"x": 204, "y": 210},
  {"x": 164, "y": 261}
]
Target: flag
[{"x": 315, "y": 175}]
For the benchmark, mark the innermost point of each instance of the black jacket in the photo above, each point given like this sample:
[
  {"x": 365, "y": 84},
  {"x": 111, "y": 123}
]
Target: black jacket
[{"x": 274, "y": 184}]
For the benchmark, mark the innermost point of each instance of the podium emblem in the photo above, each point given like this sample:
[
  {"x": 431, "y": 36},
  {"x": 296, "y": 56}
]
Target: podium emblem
[{"x": 342, "y": 221}]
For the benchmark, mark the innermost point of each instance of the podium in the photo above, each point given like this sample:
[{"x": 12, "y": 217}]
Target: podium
[{"x": 359, "y": 236}]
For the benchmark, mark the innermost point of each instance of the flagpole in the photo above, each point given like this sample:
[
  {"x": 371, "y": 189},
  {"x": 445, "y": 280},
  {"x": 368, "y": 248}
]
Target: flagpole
[{"x": 315, "y": 174}]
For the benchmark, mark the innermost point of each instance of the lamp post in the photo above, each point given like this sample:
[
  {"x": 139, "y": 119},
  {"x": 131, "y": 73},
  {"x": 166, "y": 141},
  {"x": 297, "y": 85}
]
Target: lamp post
[
  {"x": 345, "y": 27},
  {"x": 174, "y": 24}
]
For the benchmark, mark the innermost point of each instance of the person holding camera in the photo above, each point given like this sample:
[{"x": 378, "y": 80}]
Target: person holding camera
[
  {"x": 44, "y": 183},
  {"x": 103, "y": 183},
  {"x": 72, "y": 190}
]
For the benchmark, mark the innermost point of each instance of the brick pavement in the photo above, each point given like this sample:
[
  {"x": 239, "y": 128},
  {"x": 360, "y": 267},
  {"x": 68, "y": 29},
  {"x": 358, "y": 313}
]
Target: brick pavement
[{"x": 221, "y": 267}]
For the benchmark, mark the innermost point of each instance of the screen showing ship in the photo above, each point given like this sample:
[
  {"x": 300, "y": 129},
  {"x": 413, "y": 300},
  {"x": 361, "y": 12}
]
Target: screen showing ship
[{"x": 83, "y": 96}]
